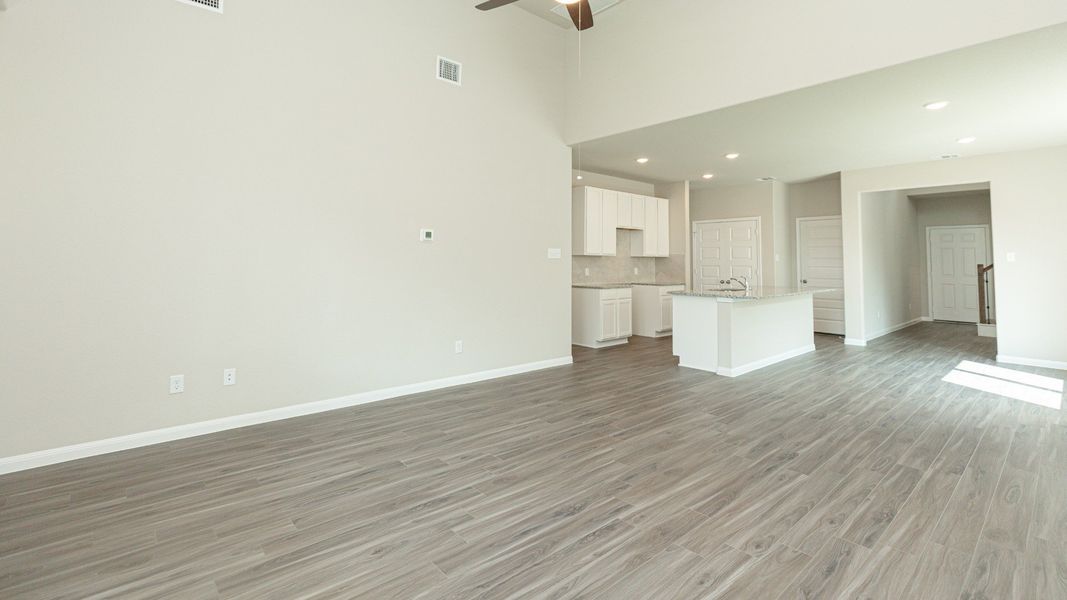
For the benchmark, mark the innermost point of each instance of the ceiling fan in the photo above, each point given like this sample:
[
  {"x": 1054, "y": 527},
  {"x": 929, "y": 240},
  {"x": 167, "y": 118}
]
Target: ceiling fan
[{"x": 581, "y": 12}]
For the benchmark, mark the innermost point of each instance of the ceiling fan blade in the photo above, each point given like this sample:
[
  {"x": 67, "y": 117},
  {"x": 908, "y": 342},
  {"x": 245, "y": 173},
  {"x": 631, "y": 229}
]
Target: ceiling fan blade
[
  {"x": 491, "y": 4},
  {"x": 581, "y": 14}
]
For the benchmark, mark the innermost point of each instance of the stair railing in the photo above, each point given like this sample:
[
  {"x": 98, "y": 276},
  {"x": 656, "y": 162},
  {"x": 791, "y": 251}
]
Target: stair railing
[{"x": 983, "y": 295}]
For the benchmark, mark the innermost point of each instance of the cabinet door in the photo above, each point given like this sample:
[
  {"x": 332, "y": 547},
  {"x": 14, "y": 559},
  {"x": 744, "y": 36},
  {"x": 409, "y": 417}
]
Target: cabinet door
[
  {"x": 637, "y": 212},
  {"x": 626, "y": 215},
  {"x": 610, "y": 220},
  {"x": 609, "y": 320},
  {"x": 651, "y": 242},
  {"x": 666, "y": 314},
  {"x": 626, "y": 317},
  {"x": 594, "y": 221},
  {"x": 663, "y": 223}
]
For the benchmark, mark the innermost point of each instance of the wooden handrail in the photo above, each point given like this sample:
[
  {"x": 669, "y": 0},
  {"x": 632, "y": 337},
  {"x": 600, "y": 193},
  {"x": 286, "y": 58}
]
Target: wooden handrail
[{"x": 982, "y": 270}]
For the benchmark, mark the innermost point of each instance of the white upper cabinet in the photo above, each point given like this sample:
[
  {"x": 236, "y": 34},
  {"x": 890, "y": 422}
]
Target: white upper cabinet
[
  {"x": 663, "y": 227},
  {"x": 654, "y": 237},
  {"x": 597, "y": 215},
  {"x": 610, "y": 222},
  {"x": 587, "y": 223},
  {"x": 637, "y": 211},
  {"x": 626, "y": 216}
]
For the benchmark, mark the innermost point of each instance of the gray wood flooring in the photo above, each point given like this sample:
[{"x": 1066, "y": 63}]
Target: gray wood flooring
[{"x": 847, "y": 473}]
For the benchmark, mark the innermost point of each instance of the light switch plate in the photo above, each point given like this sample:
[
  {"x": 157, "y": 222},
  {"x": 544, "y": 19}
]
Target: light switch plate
[
  {"x": 1010, "y": 256},
  {"x": 177, "y": 384}
]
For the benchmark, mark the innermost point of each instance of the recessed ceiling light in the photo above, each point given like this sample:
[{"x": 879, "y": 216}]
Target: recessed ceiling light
[
  {"x": 966, "y": 140},
  {"x": 579, "y": 178},
  {"x": 936, "y": 105},
  {"x": 766, "y": 179},
  {"x": 642, "y": 160},
  {"x": 708, "y": 175},
  {"x": 732, "y": 156}
]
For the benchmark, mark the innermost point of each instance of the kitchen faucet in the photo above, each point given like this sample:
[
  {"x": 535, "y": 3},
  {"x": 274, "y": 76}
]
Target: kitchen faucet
[{"x": 740, "y": 279}]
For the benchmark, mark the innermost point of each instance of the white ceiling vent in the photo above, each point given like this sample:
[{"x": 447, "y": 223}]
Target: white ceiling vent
[
  {"x": 213, "y": 5},
  {"x": 449, "y": 70}
]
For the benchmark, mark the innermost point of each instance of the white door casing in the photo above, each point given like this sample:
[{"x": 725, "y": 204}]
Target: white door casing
[
  {"x": 953, "y": 255},
  {"x": 726, "y": 248},
  {"x": 820, "y": 264}
]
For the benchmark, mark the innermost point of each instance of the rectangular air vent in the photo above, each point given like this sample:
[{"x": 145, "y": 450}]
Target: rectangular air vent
[
  {"x": 213, "y": 5},
  {"x": 449, "y": 70}
]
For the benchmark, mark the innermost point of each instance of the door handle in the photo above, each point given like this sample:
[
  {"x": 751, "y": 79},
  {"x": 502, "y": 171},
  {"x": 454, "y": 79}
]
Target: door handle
[{"x": 803, "y": 281}]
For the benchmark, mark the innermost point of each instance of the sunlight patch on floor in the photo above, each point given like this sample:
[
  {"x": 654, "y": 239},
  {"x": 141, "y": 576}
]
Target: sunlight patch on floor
[{"x": 1035, "y": 389}]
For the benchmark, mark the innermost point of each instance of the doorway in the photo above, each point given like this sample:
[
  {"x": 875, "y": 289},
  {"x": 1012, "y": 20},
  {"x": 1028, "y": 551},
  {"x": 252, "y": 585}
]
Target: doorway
[
  {"x": 953, "y": 255},
  {"x": 726, "y": 248},
  {"x": 820, "y": 264}
]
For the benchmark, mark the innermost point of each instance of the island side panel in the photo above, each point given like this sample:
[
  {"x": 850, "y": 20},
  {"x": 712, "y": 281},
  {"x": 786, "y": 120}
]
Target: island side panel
[
  {"x": 764, "y": 332},
  {"x": 696, "y": 332}
]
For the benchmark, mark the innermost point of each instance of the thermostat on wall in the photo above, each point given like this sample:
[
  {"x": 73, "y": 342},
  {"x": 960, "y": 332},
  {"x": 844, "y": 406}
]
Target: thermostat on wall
[{"x": 426, "y": 235}]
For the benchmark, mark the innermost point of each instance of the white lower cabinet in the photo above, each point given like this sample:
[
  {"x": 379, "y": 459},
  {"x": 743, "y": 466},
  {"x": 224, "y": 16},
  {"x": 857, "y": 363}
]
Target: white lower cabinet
[
  {"x": 653, "y": 309},
  {"x": 601, "y": 317}
]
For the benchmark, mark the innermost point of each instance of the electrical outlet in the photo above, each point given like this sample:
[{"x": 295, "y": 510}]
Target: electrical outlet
[
  {"x": 459, "y": 346},
  {"x": 1010, "y": 256},
  {"x": 177, "y": 384},
  {"x": 587, "y": 271},
  {"x": 229, "y": 376},
  {"x": 637, "y": 271},
  {"x": 554, "y": 253}
]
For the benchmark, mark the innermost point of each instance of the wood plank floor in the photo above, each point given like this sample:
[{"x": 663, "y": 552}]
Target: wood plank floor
[{"x": 846, "y": 473}]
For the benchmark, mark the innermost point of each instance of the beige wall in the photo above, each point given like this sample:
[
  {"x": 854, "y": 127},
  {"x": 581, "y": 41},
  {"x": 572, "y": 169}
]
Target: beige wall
[
  {"x": 738, "y": 202},
  {"x": 890, "y": 261},
  {"x": 968, "y": 208},
  {"x": 714, "y": 54},
  {"x": 819, "y": 198},
  {"x": 1028, "y": 208},
  {"x": 609, "y": 182},
  {"x": 185, "y": 192}
]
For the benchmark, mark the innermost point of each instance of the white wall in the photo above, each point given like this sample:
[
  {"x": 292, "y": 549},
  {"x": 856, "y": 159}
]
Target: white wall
[
  {"x": 185, "y": 192},
  {"x": 1029, "y": 209},
  {"x": 890, "y": 262},
  {"x": 647, "y": 62},
  {"x": 969, "y": 208}
]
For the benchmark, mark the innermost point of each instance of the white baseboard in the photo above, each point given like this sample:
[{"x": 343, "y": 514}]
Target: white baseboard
[
  {"x": 766, "y": 362},
  {"x": 894, "y": 328},
  {"x": 855, "y": 342},
  {"x": 927, "y": 319},
  {"x": 1032, "y": 362},
  {"x": 11, "y": 464}
]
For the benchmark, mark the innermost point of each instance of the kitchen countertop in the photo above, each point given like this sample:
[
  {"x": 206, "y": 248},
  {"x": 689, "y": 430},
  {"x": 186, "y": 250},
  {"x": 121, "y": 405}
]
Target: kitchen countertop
[
  {"x": 618, "y": 286},
  {"x": 756, "y": 293}
]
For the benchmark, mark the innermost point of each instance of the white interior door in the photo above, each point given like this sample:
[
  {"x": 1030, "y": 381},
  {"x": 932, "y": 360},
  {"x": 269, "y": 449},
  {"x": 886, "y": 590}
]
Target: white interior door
[
  {"x": 954, "y": 254},
  {"x": 820, "y": 264},
  {"x": 725, "y": 249}
]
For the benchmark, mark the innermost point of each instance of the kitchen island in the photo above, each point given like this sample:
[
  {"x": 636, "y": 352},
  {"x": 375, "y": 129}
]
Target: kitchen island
[{"x": 733, "y": 332}]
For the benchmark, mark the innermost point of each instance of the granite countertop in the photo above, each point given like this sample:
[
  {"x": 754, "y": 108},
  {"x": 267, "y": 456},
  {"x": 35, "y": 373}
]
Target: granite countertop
[
  {"x": 618, "y": 286},
  {"x": 756, "y": 293}
]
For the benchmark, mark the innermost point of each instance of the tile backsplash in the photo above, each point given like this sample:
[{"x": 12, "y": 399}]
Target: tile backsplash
[{"x": 620, "y": 268}]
